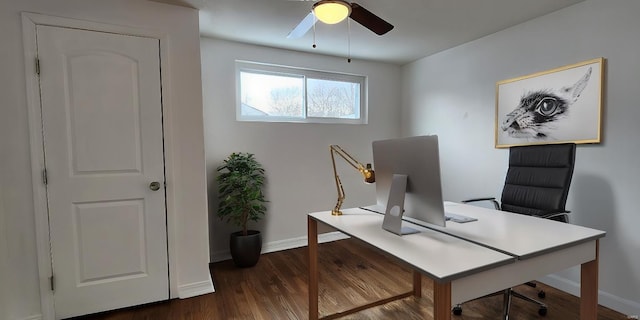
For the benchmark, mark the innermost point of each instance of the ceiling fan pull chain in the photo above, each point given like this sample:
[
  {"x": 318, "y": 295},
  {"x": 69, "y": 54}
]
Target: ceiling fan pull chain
[
  {"x": 348, "y": 41},
  {"x": 314, "y": 36}
]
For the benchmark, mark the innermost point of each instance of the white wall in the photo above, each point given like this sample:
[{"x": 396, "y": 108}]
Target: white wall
[
  {"x": 296, "y": 156},
  {"x": 187, "y": 202},
  {"x": 452, "y": 94}
]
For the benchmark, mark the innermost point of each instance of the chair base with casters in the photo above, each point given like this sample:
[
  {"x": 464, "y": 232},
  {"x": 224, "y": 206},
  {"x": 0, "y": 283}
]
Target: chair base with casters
[
  {"x": 541, "y": 293},
  {"x": 507, "y": 294}
]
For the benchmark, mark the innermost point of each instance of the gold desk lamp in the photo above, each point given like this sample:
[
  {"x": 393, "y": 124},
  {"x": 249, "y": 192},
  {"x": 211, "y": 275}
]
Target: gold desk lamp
[{"x": 366, "y": 172}]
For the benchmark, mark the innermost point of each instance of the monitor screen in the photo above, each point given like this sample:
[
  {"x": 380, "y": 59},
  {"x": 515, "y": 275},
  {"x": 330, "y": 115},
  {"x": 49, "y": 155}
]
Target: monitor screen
[{"x": 418, "y": 158}]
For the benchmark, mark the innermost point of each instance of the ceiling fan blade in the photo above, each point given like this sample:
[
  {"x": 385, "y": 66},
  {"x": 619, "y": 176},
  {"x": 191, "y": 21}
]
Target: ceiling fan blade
[
  {"x": 369, "y": 20},
  {"x": 302, "y": 27}
]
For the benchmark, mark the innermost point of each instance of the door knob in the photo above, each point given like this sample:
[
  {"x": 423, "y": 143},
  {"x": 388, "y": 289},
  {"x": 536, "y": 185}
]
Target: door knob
[{"x": 154, "y": 186}]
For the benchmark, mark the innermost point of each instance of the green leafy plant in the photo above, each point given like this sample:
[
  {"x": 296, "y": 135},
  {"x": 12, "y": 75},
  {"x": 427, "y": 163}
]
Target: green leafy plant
[{"x": 240, "y": 184}]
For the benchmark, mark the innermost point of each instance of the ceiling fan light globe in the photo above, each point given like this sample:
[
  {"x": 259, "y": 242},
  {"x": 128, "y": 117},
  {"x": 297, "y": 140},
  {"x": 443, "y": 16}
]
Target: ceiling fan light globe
[{"x": 331, "y": 11}]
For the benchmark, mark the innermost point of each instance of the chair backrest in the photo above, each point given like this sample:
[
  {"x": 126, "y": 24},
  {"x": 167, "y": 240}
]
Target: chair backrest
[{"x": 538, "y": 179}]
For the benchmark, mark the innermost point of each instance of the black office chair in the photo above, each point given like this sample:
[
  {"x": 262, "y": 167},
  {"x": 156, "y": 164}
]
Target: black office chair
[{"x": 537, "y": 183}]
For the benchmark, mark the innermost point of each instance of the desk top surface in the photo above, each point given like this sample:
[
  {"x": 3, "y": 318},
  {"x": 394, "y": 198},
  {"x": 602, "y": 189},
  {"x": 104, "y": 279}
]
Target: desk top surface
[
  {"x": 459, "y": 249},
  {"x": 519, "y": 235},
  {"x": 440, "y": 255}
]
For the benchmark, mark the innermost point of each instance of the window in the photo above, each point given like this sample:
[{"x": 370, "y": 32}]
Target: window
[{"x": 283, "y": 94}]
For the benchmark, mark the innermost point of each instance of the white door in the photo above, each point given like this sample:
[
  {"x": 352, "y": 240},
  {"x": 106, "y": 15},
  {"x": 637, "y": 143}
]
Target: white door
[{"x": 102, "y": 132}]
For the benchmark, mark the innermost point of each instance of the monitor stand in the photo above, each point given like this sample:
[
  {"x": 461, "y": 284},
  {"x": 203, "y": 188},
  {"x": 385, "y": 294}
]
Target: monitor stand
[{"x": 395, "y": 207}]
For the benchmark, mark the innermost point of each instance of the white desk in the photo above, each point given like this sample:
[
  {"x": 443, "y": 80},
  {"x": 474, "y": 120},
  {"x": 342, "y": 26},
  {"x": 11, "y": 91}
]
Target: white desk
[{"x": 472, "y": 259}]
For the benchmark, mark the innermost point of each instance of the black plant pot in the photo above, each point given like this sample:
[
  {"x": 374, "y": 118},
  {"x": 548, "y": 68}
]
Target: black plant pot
[{"x": 245, "y": 250}]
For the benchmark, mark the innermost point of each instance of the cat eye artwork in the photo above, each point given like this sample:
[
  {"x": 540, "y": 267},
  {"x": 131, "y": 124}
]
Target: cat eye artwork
[{"x": 554, "y": 106}]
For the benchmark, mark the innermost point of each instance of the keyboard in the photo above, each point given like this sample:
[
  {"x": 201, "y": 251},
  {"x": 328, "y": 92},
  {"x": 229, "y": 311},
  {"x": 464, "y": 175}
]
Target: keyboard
[{"x": 458, "y": 218}]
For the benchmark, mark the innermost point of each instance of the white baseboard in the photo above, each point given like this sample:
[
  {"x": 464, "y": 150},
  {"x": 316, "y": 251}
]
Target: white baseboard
[
  {"x": 220, "y": 256},
  {"x": 606, "y": 299},
  {"x": 301, "y": 241},
  {"x": 332, "y": 236},
  {"x": 195, "y": 289},
  {"x": 285, "y": 244},
  {"x": 33, "y": 317}
]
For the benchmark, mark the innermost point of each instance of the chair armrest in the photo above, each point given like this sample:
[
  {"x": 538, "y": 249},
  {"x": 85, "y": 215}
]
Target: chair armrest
[
  {"x": 556, "y": 214},
  {"x": 492, "y": 199},
  {"x": 479, "y": 199}
]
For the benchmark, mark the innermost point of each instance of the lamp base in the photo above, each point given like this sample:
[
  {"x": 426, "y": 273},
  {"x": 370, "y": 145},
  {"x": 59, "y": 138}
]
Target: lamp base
[{"x": 335, "y": 212}]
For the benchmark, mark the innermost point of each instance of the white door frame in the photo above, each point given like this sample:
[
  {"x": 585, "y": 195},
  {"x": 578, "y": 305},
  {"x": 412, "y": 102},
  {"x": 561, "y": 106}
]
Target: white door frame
[{"x": 29, "y": 23}]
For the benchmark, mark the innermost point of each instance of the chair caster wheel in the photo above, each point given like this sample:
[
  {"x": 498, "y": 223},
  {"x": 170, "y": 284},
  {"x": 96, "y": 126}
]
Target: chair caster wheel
[
  {"x": 542, "y": 311},
  {"x": 457, "y": 310},
  {"x": 541, "y": 294}
]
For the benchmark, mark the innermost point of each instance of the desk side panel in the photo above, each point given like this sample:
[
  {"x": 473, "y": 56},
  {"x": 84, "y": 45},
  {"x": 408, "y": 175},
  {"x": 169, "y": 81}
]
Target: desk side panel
[{"x": 490, "y": 281}]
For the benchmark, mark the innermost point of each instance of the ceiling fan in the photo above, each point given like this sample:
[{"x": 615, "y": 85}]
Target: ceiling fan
[{"x": 334, "y": 11}]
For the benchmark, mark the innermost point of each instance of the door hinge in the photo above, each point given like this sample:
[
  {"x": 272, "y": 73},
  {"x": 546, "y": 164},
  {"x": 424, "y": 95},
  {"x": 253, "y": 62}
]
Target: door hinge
[
  {"x": 45, "y": 178},
  {"x": 37, "y": 66},
  {"x": 51, "y": 282}
]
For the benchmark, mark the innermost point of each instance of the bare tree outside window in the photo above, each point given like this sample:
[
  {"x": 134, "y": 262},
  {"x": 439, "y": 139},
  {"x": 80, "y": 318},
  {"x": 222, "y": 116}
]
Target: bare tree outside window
[
  {"x": 286, "y": 102},
  {"x": 271, "y": 95},
  {"x": 332, "y": 99}
]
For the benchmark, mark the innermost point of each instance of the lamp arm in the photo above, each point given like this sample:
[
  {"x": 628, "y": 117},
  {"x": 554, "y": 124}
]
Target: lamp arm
[
  {"x": 348, "y": 158},
  {"x": 366, "y": 172}
]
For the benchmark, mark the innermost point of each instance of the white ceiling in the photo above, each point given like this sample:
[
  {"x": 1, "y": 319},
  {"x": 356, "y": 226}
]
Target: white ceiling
[{"x": 422, "y": 27}]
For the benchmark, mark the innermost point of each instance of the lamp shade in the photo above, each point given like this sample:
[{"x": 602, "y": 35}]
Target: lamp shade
[{"x": 331, "y": 11}]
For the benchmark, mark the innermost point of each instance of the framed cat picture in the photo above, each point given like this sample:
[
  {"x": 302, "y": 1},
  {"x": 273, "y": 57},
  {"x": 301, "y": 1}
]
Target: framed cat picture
[{"x": 553, "y": 106}]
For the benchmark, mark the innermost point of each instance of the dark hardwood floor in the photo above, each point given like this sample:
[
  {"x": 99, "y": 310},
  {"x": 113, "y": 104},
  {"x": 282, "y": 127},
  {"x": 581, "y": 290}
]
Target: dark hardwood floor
[{"x": 350, "y": 274}]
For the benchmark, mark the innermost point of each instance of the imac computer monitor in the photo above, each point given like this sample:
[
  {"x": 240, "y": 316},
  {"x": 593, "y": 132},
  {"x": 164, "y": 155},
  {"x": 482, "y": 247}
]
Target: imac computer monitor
[{"x": 418, "y": 159}]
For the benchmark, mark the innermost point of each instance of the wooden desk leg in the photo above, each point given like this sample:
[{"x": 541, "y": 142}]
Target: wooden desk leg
[
  {"x": 442, "y": 300},
  {"x": 312, "y": 235},
  {"x": 417, "y": 284},
  {"x": 589, "y": 288}
]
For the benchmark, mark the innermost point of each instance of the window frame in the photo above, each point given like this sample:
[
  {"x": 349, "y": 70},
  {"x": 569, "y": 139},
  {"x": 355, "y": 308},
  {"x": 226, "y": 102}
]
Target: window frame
[{"x": 280, "y": 70}]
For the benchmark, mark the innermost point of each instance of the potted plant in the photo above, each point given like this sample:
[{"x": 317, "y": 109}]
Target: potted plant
[{"x": 240, "y": 182}]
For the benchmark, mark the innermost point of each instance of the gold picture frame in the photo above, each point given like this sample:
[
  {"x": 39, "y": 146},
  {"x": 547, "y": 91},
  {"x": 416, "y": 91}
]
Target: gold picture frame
[{"x": 554, "y": 106}]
